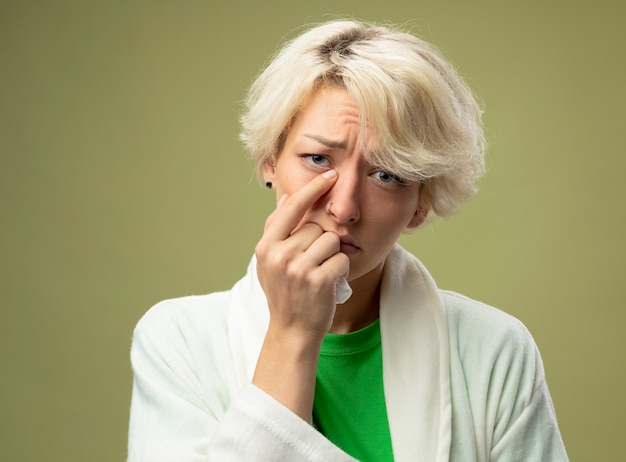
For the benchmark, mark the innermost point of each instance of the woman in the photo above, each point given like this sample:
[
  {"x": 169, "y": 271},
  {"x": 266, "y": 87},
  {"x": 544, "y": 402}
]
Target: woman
[{"x": 337, "y": 344}]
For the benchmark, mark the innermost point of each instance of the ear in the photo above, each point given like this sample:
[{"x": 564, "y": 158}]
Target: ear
[
  {"x": 420, "y": 217},
  {"x": 269, "y": 170}
]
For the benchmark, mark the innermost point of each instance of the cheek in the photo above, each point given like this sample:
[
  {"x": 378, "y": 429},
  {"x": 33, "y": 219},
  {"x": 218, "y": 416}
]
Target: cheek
[
  {"x": 290, "y": 179},
  {"x": 398, "y": 210},
  {"x": 391, "y": 221},
  {"x": 410, "y": 208}
]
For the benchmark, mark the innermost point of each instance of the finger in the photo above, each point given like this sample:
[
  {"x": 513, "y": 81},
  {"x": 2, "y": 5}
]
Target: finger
[
  {"x": 324, "y": 247},
  {"x": 338, "y": 265},
  {"x": 284, "y": 219},
  {"x": 270, "y": 217},
  {"x": 302, "y": 239}
]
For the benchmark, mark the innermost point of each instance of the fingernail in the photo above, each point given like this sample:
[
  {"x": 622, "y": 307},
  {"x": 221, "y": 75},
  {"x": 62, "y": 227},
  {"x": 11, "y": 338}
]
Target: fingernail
[{"x": 330, "y": 174}]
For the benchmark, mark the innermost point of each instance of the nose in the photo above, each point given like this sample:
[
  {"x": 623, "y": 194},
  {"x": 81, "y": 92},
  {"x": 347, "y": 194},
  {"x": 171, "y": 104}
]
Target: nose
[{"x": 343, "y": 199}]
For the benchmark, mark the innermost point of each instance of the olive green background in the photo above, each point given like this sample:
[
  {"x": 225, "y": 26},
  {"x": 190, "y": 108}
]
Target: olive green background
[{"x": 123, "y": 183}]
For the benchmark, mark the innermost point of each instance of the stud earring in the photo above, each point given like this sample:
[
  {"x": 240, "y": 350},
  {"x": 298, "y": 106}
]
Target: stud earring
[{"x": 268, "y": 184}]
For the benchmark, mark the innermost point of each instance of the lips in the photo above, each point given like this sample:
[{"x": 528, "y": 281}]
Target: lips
[
  {"x": 347, "y": 245},
  {"x": 348, "y": 249}
]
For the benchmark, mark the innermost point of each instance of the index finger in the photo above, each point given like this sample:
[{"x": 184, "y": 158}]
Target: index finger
[{"x": 291, "y": 211}]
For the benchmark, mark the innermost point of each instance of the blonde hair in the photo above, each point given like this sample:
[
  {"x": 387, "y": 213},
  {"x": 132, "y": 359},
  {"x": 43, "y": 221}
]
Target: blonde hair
[{"x": 425, "y": 120}]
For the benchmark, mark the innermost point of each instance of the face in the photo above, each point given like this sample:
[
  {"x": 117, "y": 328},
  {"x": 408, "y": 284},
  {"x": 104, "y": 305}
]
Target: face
[{"x": 368, "y": 208}]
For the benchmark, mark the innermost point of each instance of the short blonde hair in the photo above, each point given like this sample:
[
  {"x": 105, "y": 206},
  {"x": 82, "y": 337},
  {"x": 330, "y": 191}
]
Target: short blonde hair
[{"x": 425, "y": 120}]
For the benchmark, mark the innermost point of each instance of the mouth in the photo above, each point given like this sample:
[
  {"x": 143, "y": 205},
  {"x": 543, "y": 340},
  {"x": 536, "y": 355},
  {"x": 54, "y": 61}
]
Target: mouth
[{"x": 347, "y": 246}]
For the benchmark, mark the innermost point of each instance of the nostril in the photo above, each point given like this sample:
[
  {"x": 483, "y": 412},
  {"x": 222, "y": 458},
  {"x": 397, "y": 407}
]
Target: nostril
[
  {"x": 342, "y": 211},
  {"x": 329, "y": 209}
]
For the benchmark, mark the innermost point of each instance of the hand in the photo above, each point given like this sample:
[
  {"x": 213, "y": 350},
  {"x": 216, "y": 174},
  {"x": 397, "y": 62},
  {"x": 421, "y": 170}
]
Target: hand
[{"x": 298, "y": 264}]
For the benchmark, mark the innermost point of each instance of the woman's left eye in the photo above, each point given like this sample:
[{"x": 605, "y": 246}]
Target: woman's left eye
[{"x": 387, "y": 177}]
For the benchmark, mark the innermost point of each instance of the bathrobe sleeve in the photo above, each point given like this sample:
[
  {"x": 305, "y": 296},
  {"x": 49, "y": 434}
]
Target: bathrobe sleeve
[
  {"x": 533, "y": 435},
  {"x": 499, "y": 388},
  {"x": 185, "y": 404},
  {"x": 526, "y": 428}
]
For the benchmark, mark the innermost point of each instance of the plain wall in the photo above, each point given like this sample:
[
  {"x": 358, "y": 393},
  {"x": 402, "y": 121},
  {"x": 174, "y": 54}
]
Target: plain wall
[{"x": 123, "y": 183}]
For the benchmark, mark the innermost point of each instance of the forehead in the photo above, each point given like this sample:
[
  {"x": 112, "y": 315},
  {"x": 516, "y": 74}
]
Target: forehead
[
  {"x": 333, "y": 115},
  {"x": 330, "y": 112}
]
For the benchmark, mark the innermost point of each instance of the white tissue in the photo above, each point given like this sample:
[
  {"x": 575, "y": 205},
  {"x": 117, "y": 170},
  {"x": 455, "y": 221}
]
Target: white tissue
[{"x": 343, "y": 291}]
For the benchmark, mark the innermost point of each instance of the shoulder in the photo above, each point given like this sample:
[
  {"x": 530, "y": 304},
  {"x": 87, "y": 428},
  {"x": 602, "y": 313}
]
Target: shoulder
[
  {"x": 498, "y": 383},
  {"x": 191, "y": 311},
  {"x": 492, "y": 352},
  {"x": 474, "y": 322},
  {"x": 183, "y": 325},
  {"x": 183, "y": 344},
  {"x": 491, "y": 345}
]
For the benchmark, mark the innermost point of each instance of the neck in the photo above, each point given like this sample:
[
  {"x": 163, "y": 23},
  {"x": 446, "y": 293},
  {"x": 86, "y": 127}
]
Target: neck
[{"x": 362, "y": 308}]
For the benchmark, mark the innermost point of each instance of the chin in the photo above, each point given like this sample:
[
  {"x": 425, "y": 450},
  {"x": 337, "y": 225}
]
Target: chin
[{"x": 358, "y": 272}]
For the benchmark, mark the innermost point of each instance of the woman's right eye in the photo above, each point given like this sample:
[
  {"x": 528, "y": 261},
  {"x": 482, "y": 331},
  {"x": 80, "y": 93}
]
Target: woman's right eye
[{"x": 316, "y": 159}]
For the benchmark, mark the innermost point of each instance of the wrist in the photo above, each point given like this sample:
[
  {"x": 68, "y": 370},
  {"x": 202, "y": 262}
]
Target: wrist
[{"x": 287, "y": 368}]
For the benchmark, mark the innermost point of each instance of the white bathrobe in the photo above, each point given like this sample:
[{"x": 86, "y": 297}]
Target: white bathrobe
[{"x": 463, "y": 381}]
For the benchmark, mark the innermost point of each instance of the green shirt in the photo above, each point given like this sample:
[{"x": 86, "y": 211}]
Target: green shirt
[{"x": 349, "y": 407}]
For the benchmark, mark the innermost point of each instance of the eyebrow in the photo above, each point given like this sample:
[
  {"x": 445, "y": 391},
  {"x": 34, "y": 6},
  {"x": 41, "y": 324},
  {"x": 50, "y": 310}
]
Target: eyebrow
[{"x": 328, "y": 143}]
